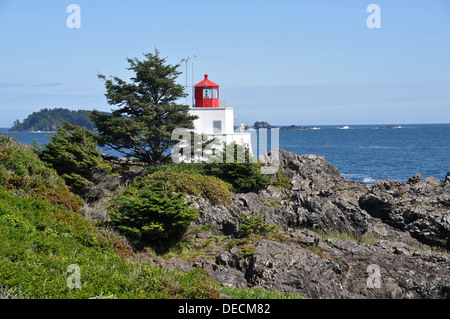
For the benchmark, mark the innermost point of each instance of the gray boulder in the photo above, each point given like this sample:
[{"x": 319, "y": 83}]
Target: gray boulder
[
  {"x": 419, "y": 207},
  {"x": 336, "y": 269}
]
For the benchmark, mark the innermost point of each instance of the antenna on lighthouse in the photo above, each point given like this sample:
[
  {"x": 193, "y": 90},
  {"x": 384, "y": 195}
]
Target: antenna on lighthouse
[
  {"x": 193, "y": 62},
  {"x": 187, "y": 92}
]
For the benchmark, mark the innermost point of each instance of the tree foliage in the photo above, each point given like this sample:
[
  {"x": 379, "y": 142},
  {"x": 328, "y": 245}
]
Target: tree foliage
[
  {"x": 208, "y": 187},
  {"x": 245, "y": 177},
  {"x": 72, "y": 151},
  {"x": 150, "y": 211},
  {"x": 50, "y": 119},
  {"x": 147, "y": 112},
  {"x": 240, "y": 171},
  {"x": 22, "y": 173},
  {"x": 255, "y": 225},
  {"x": 261, "y": 124}
]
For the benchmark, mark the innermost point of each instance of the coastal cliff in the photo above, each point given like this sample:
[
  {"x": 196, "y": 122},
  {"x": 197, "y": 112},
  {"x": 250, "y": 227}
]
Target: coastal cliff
[
  {"x": 337, "y": 238},
  {"x": 311, "y": 233}
]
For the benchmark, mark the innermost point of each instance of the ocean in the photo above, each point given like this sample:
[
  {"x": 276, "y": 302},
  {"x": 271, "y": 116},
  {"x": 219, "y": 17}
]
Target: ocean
[{"x": 363, "y": 153}]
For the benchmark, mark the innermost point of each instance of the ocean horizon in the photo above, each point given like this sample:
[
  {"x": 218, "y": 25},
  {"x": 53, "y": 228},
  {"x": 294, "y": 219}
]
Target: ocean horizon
[{"x": 364, "y": 153}]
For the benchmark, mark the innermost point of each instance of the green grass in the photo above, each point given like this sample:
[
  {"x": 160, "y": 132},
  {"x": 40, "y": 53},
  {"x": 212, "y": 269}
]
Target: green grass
[
  {"x": 39, "y": 240},
  {"x": 368, "y": 240},
  {"x": 22, "y": 172},
  {"x": 257, "y": 293},
  {"x": 208, "y": 187}
]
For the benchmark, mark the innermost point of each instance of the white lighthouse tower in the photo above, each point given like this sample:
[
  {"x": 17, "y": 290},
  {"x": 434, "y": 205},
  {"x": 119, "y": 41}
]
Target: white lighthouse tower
[{"x": 214, "y": 119}]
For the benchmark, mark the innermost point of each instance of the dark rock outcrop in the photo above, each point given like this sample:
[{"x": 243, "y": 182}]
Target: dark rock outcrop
[
  {"x": 331, "y": 268},
  {"x": 344, "y": 269},
  {"x": 419, "y": 207},
  {"x": 321, "y": 199},
  {"x": 395, "y": 215}
]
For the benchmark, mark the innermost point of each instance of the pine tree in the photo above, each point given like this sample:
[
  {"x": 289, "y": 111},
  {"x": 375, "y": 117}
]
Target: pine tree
[
  {"x": 151, "y": 211},
  {"x": 147, "y": 112},
  {"x": 72, "y": 151}
]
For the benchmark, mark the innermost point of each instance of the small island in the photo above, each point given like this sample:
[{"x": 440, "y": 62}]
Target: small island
[
  {"x": 263, "y": 124},
  {"x": 296, "y": 127},
  {"x": 388, "y": 127},
  {"x": 47, "y": 120}
]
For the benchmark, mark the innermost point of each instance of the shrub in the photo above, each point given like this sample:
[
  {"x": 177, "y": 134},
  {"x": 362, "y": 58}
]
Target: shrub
[
  {"x": 255, "y": 225},
  {"x": 242, "y": 172},
  {"x": 244, "y": 177},
  {"x": 72, "y": 151},
  {"x": 246, "y": 251},
  {"x": 208, "y": 187},
  {"x": 25, "y": 175},
  {"x": 192, "y": 168},
  {"x": 150, "y": 211},
  {"x": 281, "y": 180}
]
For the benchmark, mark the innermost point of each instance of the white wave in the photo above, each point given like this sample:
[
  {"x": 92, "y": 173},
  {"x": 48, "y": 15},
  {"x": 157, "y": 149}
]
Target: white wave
[
  {"x": 381, "y": 147},
  {"x": 368, "y": 180},
  {"x": 344, "y": 128},
  {"x": 352, "y": 176}
]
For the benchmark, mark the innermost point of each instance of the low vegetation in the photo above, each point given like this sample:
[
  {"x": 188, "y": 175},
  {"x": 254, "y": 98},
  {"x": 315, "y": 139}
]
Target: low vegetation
[
  {"x": 22, "y": 173},
  {"x": 257, "y": 293},
  {"x": 208, "y": 187},
  {"x": 74, "y": 154},
  {"x": 43, "y": 231},
  {"x": 36, "y": 254},
  {"x": 146, "y": 212},
  {"x": 255, "y": 225},
  {"x": 40, "y": 240}
]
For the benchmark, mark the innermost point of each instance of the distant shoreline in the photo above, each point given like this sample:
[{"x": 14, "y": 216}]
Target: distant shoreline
[
  {"x": 281, "y": 127},
  {"x": 25, "y": 131}
]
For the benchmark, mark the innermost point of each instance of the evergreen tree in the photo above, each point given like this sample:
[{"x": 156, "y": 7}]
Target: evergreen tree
[
  {"x": 241, "y": 170},
  {"x": 151, "y": 211},
  {"x": 147, "y": 112},
  {"x": 72, "y": 152}
]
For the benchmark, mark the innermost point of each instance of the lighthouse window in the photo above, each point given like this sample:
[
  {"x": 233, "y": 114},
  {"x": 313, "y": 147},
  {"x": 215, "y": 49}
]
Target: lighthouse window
[
  {"x": 207, "y": 93},
  {"x": 217, "y": 127},
  {"x": 214, "y": 92}
]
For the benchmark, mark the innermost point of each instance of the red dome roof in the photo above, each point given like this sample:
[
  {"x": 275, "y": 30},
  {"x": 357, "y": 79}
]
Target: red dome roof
[{"x": 206, "y": 82}]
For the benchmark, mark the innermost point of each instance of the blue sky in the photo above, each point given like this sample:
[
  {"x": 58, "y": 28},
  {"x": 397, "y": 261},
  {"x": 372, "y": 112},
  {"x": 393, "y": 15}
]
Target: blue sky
[{"x": 286, "y": 62}]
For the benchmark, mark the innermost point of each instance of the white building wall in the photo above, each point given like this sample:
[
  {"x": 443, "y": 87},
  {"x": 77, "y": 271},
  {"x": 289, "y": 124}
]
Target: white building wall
[{"x": 206, "y": 118}]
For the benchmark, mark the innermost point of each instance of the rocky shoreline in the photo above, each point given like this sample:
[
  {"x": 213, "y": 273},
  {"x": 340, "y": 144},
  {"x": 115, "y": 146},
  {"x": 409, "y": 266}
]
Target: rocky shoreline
[{"x": 402, "y": 221}]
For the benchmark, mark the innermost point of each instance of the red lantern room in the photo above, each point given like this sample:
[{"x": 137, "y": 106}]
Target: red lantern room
[{"x": 206, "y": 93}]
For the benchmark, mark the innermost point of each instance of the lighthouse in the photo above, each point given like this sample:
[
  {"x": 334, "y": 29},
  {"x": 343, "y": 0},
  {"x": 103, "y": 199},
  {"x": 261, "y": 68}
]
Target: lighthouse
[
  {"x": 215, "y": 119},
  {"x": 206, "y": 93}
]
